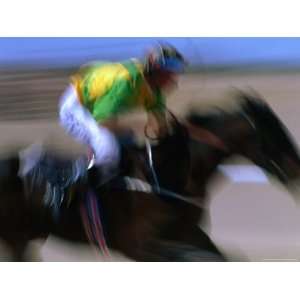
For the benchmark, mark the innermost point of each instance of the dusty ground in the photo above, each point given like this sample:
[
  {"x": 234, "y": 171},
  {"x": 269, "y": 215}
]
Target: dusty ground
[{"x": 258, "y": 221}]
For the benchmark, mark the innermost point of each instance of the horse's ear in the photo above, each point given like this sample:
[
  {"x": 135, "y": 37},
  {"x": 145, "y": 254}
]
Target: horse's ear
[
  {"x": 251, "y": 102},
  {"x": 243, "y": 100}
]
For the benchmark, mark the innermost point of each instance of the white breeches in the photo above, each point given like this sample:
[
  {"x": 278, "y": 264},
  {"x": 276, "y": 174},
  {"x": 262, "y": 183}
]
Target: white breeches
[{"x": 80, "y": 124}]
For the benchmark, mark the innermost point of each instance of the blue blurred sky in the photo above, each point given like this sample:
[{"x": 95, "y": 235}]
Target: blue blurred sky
[{"x": 210, "y": 51}]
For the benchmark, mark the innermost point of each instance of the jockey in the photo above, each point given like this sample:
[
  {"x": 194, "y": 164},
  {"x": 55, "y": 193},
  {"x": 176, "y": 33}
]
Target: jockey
[{"x": 101, "y": 91}]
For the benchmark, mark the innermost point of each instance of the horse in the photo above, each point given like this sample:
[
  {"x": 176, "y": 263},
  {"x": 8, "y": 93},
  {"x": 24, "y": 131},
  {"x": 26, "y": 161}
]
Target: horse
[{"x": 147, "y": 226}]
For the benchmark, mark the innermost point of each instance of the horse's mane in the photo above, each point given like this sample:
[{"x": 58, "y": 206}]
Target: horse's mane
[{"x": 206, "y": 119}]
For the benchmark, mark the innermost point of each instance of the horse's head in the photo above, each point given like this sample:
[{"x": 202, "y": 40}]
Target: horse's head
[
  {"x": 253, "y": 132},
  {"x": 268, "y": 143}
]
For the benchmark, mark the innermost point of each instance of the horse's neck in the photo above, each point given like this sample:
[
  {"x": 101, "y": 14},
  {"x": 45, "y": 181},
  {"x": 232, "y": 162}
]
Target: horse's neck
[{"x": 207, "y": 159}]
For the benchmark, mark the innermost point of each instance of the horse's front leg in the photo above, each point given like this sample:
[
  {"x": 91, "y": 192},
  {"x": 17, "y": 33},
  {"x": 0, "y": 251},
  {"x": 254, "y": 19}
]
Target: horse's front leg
[{"x": 18, "y": 251}]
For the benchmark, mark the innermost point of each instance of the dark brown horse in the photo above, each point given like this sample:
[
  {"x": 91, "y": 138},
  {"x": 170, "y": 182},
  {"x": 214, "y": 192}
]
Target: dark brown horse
[{"x": 153, "y": 226}]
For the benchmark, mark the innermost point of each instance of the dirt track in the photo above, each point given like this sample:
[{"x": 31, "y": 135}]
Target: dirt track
[{"x": 263, "y": 224}]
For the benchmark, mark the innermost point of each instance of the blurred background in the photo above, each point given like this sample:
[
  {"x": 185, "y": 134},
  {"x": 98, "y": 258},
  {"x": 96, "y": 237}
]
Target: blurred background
[{"x": 262, "y": 225}]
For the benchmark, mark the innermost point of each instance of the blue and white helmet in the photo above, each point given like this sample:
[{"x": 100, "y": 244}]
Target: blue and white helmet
[{"x": 166, "y": 57}]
